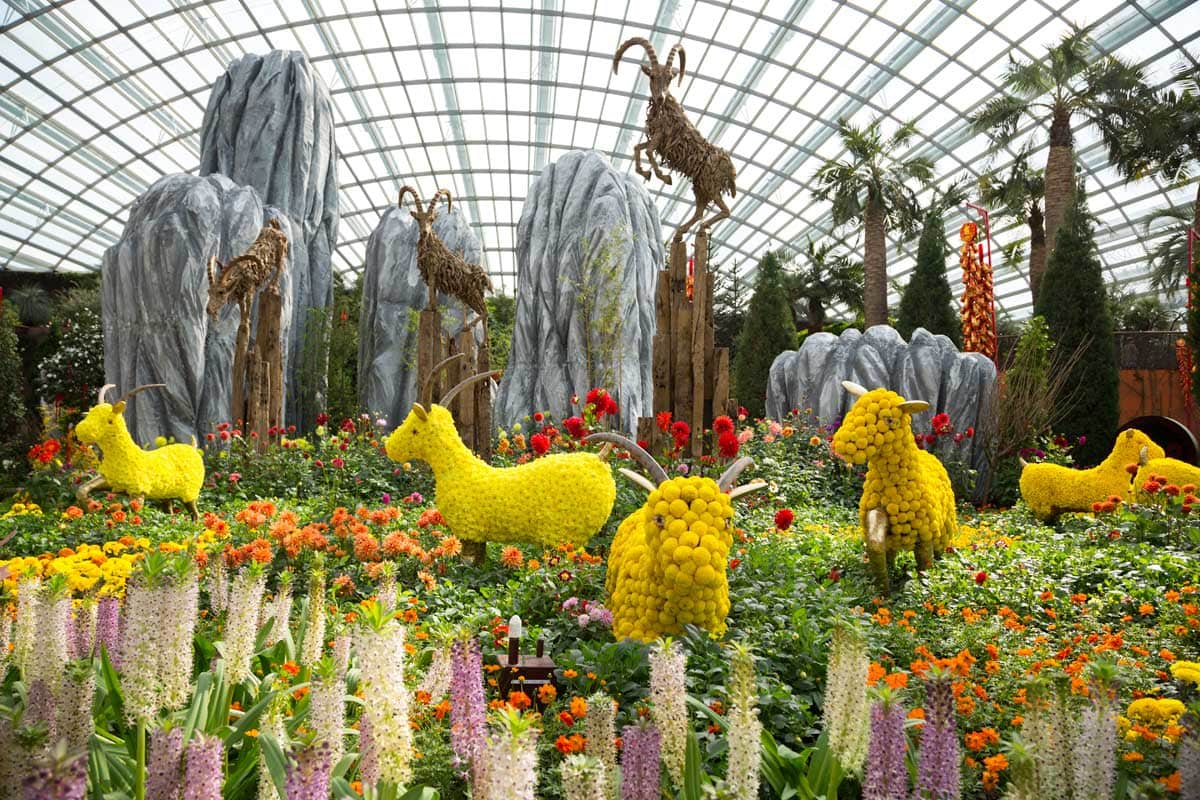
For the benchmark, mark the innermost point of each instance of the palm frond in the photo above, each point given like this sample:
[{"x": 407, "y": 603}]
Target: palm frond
[
  {"x": 1028, "y": 79},
  {"x": 902, "y": 136},
  {"x": 999, "y": 118},
  {"x": 1069, "y": 58}
]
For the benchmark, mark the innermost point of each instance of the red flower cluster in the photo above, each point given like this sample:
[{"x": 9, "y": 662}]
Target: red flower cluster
[
  {"x": 45, "y": 452},
  {"x": 602, "y": 403},
  {"x": 722, "y": 424},
  {"x": 784, "y": 518},
  {"x": 941, "y": 424},
  {"x": 727, "y": 444},
  {"x": 539, "y": 443},
  {"x": 575, "y": 426},
  {"x": 663, "y": 420},
  {"x": 681, "y": 432}
]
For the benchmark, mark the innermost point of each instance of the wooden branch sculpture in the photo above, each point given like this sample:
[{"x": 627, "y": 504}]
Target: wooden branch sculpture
[
  {"x": 238, "y": 281},
  {"x": 443, "y": 270},
  {"x": 672, "y": 136}
]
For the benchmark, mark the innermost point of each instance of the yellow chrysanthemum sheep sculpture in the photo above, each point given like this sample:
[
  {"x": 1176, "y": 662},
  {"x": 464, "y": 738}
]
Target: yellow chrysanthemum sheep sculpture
[
  {"x": 666, "y": 567},
  {"x": 907, "y": 501},
  {"x": 1165, "y": 470},
  {"x": 171, "y": 472},
  {"x": 1050, "y": 489},
  {"x": 563, "y": 497}
]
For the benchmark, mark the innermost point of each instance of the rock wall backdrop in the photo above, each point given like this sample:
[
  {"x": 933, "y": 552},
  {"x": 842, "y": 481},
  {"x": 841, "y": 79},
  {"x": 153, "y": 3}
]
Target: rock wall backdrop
[
  {"x": 393, "y": 295},
  {"x": 928, "y": 367},
  {"x": 269, "y": 124},
  {"x": 589, "y": 245},
  {"x": 155, "y": 287}
]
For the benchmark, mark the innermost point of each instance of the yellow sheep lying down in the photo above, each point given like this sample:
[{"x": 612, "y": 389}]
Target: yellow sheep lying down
[
  {"x": 1050, "y": 489},
  {"x": 907, "y": 501},
  {"x": 565, "y": 497},
  {"x": 1169, "y": 470},
  {"x": 175, "y": 471}
]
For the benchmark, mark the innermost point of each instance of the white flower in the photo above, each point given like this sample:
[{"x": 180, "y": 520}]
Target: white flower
[{"x": 668, "y": 668}]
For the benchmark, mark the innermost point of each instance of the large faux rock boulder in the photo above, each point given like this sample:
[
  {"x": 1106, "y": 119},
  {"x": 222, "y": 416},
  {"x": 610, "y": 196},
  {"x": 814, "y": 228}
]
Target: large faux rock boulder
[
  {"x": 393, "y": 295},
  {"x": 269, "y": 124},
  {"x": 928, "y": 367},
  {"x": 588, "y": 230},
  {"x": 155, "y": 288}
]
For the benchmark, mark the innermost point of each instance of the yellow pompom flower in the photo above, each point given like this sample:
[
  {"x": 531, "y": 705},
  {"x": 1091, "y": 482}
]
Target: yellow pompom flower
[{"x": 1188, "y": 671}]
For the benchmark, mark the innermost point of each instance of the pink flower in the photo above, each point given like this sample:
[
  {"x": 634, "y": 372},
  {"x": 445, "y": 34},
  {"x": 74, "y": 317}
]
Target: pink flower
[
  {"x": 745, "y": 435},
  {"x": 234, "y": 477},
  {"x": 337, "y": 463}
]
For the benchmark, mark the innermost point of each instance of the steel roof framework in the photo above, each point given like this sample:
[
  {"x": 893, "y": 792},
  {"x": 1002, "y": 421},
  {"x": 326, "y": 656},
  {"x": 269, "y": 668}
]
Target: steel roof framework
[{"x": 99, "y": 98}]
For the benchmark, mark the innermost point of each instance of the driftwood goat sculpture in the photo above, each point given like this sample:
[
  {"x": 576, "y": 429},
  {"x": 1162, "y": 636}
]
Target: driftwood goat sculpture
[
  {"x": 260, "y": 266},
  {"x": 671, "y": 136},
  {"x": 443, "y": 270}
]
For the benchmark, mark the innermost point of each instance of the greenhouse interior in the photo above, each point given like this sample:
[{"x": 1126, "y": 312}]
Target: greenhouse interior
[{"x": 581, "y": 400}]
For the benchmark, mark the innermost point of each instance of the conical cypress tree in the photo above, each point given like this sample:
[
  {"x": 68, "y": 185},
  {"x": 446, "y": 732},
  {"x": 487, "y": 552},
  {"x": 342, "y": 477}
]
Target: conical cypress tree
[
  {"x": 1074, "y": 304},
  {"x": 767, "y": 331},
  {"x": 927, "y": 302}
]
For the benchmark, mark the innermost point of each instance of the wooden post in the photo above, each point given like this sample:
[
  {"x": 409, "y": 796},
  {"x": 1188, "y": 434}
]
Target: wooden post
[
  {"x": 681, "y": 326},
  {"x": 466, "y": 404},
  {"x": 700, "y": 302},
  {"x": 428, "y": 346}
]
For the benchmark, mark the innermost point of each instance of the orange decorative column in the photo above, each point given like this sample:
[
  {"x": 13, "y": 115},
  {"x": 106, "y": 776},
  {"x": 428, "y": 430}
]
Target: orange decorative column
[{"x": 978, "y": 303}]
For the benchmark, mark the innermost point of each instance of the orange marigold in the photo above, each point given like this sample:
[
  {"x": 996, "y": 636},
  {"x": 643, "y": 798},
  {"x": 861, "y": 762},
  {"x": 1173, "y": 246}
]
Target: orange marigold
[{"x": 511, "y": 557}]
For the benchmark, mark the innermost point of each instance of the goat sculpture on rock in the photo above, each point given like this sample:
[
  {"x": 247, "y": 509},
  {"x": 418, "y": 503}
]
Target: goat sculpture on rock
[
  {"x": 443, "y": 270},
  {"x": 672, "y": 136},
  {"x": 174, "y": 471}
]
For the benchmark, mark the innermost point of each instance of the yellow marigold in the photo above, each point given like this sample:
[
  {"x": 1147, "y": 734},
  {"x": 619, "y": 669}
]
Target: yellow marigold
[{"x": 1188, "y": 671}]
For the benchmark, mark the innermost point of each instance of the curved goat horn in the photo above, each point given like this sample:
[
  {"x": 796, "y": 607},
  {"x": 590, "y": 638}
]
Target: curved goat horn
[
  {"x": 730, "y": 475},
  {"x": 639, "y": 454},
  {"x": 141, "y": 388},
  {"x": 677, "y": 48},
  {"x": 406, "y": 189},
  {"x": 433, "y": 201},
  {"x": 450, "y": 395},
  {"x": 427, "y": 387},
  {"x": 103, "y": 391},
  {"x": 628, "y": 43}
]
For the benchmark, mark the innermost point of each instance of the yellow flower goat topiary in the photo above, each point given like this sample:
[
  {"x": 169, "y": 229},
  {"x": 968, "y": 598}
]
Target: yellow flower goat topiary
[
  {"x": 666, "y": 567},
  {"x": 565, "y": 497},
  {"x": 907, "y": 501},
  {"x": 1050, "y": 489},
  {"x": 175, "y": 471},
  {"x": 1167, "y": 470}
]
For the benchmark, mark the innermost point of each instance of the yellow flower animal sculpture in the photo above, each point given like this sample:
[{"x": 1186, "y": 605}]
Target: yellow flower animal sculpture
[
  {"x": 564, "y": 497},
  {"x": 175, "y": 471},
  {"x": 907, "y": 501},
  {"x": 1167, "y": 470},
  {"x": 1050, "y": 489},
  {"x": 666, "y": 567}
]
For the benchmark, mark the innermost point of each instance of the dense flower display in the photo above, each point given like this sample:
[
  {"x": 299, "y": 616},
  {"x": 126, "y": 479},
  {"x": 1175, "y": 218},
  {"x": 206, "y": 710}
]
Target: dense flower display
[
  {"x": 1051, "y": 490},
  {"x": 910, "y": 486},
  {"x": 555, "y": 498}
]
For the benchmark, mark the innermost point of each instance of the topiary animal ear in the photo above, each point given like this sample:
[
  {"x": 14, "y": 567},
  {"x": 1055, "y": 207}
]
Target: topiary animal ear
[
  {"x": 1143, "y": 456},
  {"x": 913, "y": 406},
  {"x": 420, "y": 411},
  {"x": 119, "y": 408},
  {"x": 856, "y": 389}
]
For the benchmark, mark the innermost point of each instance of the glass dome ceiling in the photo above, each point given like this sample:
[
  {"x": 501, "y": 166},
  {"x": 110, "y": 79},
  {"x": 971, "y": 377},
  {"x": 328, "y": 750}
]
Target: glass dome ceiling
[{"x": 99, "y": 98}]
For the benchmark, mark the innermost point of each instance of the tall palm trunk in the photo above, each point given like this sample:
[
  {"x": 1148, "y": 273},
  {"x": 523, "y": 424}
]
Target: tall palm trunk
[
  {"x": 1060, "y": 173},
  {"x": 875, "y": 265},
  {"x": 816, "y": 315},
  {"x": 1037, "y": 250}
]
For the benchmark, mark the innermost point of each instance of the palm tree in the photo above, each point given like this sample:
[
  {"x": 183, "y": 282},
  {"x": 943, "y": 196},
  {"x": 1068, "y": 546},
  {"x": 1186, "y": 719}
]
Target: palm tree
[
  {"x": 1019, "y": 195},
  {"x": 1164, "y": 138},
  {"x": 826, "y": 278},
  {"x": 871, "y": 187},
  {"x": 1068, "y": 84}
]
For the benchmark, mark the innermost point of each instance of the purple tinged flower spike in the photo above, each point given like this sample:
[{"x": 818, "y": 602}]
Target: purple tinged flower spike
[
  {"x": 164, "y": 769},
  {"x": 939, "y": 772},
  {"x": 202, "y": 776},
  {"x": 309, "y": 772},
  {"x": 108, "y": 612},
  {"x": 57, "y": 781},
  {"x": 468, "y": 704},
  {"x": 886, "y": 777},
  {"x": 639, "y": 763},
  {"x": 40, "y": 707},
  {"x": 368, "y": 759}
]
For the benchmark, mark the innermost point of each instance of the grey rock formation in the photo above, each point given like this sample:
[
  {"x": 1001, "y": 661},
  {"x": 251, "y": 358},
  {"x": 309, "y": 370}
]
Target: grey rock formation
[
  {"x": 155, "y": 287},
  {"x": 928, "y": 368},
  {"x": 578, "y": 209},
  {"x": 269, "y": 124},
  {"x": 393, "y": 294}
]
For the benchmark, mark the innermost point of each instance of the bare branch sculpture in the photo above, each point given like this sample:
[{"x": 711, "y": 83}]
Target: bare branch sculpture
[
  {"x": 440, "y": 268},
  {"x": 671, "y": 136}
]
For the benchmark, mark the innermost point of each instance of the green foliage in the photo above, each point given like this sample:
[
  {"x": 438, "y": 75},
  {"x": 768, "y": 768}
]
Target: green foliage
[
  {"x": 12, "y": 403},
  {"x": 502, "y": 314},
  {"x": 598, "y": 301},
  {"x": 33, "y": 304},
  {"x": 70, "y": 375},
  {"x": 767, "y": 332},
  {"x": 1075, "y": 307},
  {"x": 927, "y": 302},
  {"x": 312, "y": 372},
  {"x": 826, "y": 277},
  {"x": 342, "y": 402},
  {"x": 1132, "y": 313},
  {"x": 729, "y": 306}
]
